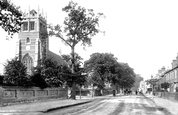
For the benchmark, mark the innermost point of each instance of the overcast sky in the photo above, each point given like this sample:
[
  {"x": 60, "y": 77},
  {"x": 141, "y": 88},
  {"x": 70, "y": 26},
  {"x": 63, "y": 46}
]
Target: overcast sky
[{"x": 142, "y": 33}]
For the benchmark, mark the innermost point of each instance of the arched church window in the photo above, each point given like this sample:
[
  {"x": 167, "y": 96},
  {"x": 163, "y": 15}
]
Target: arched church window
[
  {"x": 28, "y": 40},
  {"x": 28, "y": 62}
]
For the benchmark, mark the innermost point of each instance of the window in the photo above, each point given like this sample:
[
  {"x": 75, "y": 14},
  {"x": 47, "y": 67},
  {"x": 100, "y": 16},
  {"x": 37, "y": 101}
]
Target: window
[
  {"x": 32, "y": 25},
  {"x": 25, "y": 26},
  {"x": 28, "y": 40},
  {"x": 41, "y": 26},
  {"x": 27, "y": 60},
  {"x": 170, "y": 75}
]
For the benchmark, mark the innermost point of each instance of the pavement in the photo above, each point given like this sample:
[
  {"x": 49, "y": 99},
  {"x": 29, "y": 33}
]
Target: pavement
[
  {"x": 169, "y": 105},
  {"x": 44, "y": 106}
]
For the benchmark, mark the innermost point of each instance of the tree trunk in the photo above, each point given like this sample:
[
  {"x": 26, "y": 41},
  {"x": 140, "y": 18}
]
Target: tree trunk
[
  {"x": 117, "y": 88},
  {"x": 93, "y": 91},
  {"x": 153, "y": 90},
  {"x": 80, "y": 91},
  {"x": 73, "y": 94}
]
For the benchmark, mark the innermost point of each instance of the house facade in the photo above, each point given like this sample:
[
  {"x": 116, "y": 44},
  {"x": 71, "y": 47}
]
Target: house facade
[{"x": 170, "y": 76}]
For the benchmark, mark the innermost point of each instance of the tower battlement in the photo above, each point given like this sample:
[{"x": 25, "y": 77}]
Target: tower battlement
[{"x": 32, "y": 14}]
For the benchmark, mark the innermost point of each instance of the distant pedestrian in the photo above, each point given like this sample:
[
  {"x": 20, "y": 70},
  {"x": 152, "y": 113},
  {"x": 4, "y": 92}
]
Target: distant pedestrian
[
  {"x": 153, "y": 93},
  {"x": 136, "y": 92},
  {"x": 114, "y": 93}
]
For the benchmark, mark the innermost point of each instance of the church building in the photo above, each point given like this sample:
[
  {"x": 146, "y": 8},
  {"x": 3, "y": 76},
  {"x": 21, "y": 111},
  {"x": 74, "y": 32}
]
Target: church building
[{"x": 33, "y": 43}]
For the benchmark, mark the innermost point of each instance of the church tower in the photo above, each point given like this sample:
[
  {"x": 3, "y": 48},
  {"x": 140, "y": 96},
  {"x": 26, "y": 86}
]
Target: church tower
[{"x": 33, "y": 44}]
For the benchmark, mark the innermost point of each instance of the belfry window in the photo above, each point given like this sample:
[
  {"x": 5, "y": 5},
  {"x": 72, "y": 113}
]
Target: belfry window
[
  {"x": 32, "y": 25},
  {"x": 25, "y": 26},
  {"x": 28, "y": 40}
]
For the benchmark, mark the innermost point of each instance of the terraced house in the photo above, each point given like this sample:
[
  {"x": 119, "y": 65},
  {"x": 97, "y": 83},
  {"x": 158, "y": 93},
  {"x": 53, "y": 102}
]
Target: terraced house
[{"x": 171, "y": 76}]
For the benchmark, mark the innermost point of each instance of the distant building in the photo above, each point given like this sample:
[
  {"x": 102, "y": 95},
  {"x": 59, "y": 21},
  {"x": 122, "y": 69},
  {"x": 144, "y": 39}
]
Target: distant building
[
  {"x": 143, "y": 87},
  {"x": 33, "y": 44}
]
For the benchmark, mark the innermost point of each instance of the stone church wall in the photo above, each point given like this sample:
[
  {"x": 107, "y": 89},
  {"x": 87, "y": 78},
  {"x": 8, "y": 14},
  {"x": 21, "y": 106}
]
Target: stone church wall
[{"x": 11, "y": 95}]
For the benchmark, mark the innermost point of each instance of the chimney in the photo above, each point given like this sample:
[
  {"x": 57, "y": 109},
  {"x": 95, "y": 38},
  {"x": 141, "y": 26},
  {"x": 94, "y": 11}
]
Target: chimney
[
  {"x": 174, "y": 63},
  {"x": 163, "y": 69},
  {"x": 177, "y": 60},
  {"x": 159, "y": 71},
  {"x": 29, "y": 11}
]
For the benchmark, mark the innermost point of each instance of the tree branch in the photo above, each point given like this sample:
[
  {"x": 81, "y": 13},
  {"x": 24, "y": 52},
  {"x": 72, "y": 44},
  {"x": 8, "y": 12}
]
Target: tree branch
[{"x": 59, "y": 36}]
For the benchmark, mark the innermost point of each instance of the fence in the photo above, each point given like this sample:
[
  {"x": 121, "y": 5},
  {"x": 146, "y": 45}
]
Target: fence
[
  {"x": 167, "y": 95},
  {"x": 95, "y": 92},
  {"x": 15, "y": 94}
]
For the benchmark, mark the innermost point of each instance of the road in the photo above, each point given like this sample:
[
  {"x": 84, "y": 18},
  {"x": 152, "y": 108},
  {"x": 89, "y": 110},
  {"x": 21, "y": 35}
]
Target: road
[{"x": 119, "y": 105}]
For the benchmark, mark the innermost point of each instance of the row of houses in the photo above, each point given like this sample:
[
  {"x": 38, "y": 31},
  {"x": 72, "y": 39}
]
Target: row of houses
[{"x": 168, "y": 75}]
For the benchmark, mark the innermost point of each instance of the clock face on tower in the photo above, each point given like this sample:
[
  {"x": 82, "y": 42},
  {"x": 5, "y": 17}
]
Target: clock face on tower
[{"x": 27, "y": 48}]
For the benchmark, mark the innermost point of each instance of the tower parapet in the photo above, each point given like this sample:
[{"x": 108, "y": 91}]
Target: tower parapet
[{"x": 35, "y": 14}]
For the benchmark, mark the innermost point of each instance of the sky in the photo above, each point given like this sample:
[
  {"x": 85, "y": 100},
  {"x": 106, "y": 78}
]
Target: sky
[{"x": 142, "y": 33}]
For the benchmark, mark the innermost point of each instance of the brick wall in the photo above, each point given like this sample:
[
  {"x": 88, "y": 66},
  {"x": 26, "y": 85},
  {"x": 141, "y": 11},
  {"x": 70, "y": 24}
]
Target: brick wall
[{"x": 168, "y": 95}]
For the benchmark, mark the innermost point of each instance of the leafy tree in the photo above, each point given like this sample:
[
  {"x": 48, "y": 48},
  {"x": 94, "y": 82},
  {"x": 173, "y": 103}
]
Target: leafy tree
[
  {"x": 127, "y": 76},
  {"x": 80, "y": 79},
  {"x": 38, "y": 80},
  {"x": 152, "y": 82},
  {"x": 15, "y": 73},
  {"x": 101, "y": 69},
  {"x": 49, "y": 71},
  {"x": 116, "y": 71},
  {"x": 1, "y": 79},
  {"x": 77, "y": 61},
  {"x": 66, "y": 74},
  {"x": 79, "y": 26},
  {"x": 138, "y": 79},
  {"x": 165, "y": 85},
  {"x": 10, "y": 17}
]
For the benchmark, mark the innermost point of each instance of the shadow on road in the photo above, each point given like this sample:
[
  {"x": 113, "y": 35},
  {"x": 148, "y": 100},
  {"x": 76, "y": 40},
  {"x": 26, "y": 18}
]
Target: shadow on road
[
  {"x": 119, "y": 109},
  {"x": 152, "y": 102},
  {"x": 62, "y": 107}
]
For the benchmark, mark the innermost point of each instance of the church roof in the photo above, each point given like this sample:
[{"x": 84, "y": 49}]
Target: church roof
[{"x": 56, "y": 58}]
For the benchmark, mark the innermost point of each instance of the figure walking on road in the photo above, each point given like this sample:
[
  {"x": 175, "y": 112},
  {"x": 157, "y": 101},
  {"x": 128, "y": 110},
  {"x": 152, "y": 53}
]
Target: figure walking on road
[{"x": 114, "y": 93}]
